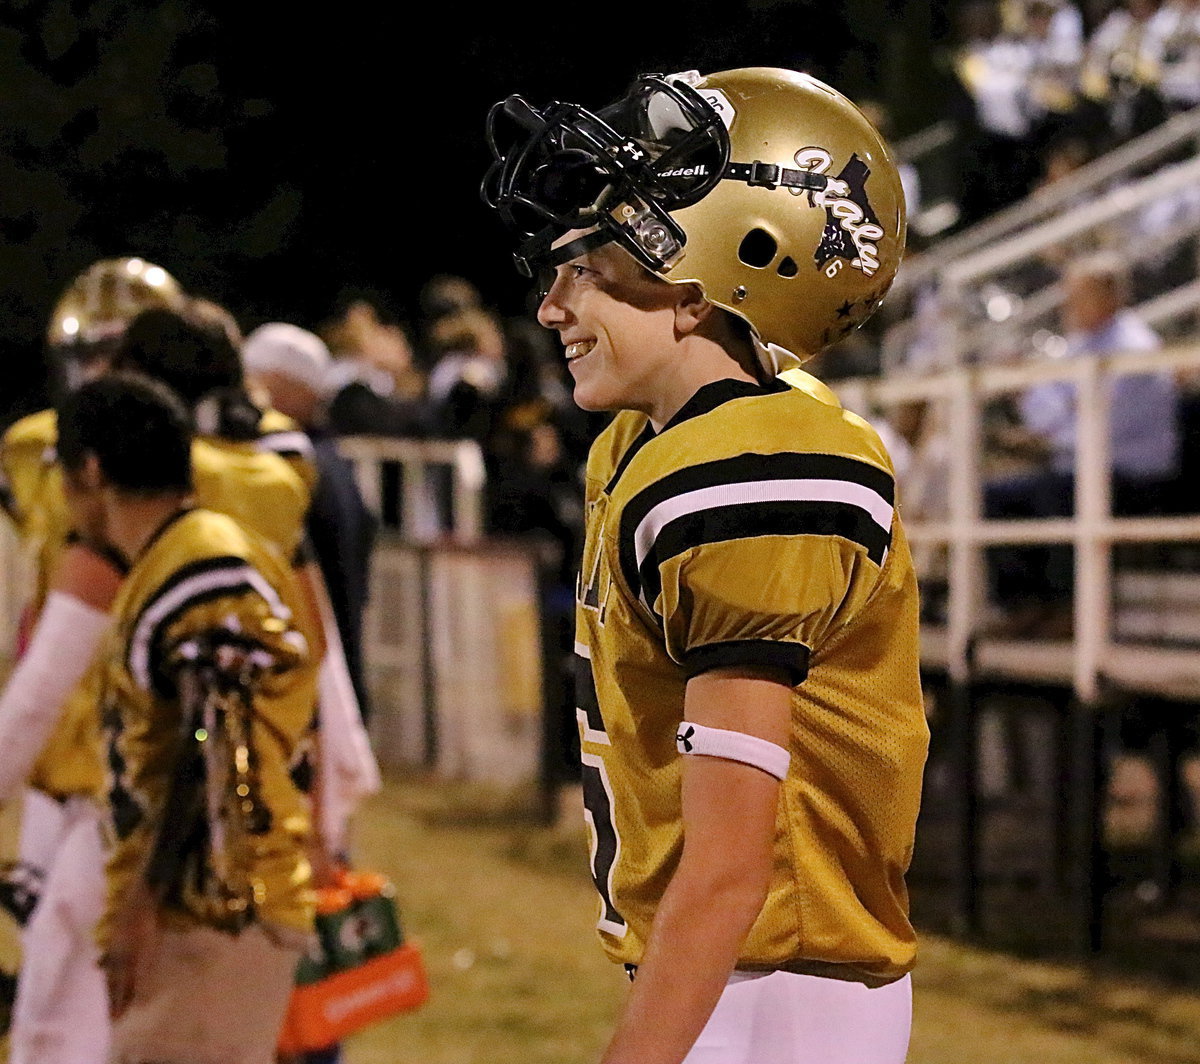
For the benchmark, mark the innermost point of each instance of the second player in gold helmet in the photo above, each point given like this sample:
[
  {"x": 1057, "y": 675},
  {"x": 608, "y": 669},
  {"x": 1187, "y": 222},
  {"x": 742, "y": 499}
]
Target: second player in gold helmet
[
  {"x": 95, "y": 309},
  {"x": 766, "y": 187}
]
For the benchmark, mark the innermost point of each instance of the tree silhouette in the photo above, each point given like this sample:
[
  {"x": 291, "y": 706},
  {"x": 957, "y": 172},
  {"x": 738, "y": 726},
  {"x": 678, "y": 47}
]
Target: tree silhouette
[{"x": 116, "y": 128}]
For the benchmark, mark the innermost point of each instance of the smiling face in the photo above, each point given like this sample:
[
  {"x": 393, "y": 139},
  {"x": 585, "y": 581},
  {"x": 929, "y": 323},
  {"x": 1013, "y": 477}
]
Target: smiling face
[{"x": 620, "y": 328}]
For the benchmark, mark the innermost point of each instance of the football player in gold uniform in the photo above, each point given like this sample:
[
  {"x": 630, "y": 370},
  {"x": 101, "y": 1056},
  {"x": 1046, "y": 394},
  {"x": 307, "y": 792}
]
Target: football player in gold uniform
[
  {"x": 207, "y": 686},
  {"x": 48, "y": 717},
  {"x": 752, "y": 730}
]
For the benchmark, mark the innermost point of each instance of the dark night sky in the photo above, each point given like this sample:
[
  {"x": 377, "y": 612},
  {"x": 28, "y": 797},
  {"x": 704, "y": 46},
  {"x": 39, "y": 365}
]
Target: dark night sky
[{"x": 279, "y": 166}]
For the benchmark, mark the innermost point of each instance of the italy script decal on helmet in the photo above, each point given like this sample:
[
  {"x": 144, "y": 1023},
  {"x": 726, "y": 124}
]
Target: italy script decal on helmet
[{"x": 851, "y": 226}]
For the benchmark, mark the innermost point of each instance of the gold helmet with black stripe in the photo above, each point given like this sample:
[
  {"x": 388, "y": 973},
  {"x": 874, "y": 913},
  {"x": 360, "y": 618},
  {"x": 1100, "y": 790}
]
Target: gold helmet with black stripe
[
  {"x": 95, "y": 309},
  {"x": 765, "y": 187}
]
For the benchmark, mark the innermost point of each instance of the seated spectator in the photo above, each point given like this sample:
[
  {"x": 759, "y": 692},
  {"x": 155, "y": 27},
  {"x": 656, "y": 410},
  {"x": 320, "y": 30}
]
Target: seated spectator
[
  {"x": 1173, "y": 52},
  {"x": 466, "y": 381},
  {"x": 445, "y": 294},
  {"x": 992, "y": 70},
  {"x": 374, "y": 389},
  {"x": 1119, "y": 71},
  {"x": 1144, "y": 439},
  {"x": 1052, "y": 30}
]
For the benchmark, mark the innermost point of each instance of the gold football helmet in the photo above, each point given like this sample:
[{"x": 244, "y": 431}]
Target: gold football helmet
[
  {"x": 98, "y": 304},
  {"x": 765, "y": 187}
]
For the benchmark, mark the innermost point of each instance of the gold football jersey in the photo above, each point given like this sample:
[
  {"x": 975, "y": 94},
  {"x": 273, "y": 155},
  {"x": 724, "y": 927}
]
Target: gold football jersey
[
  {"x": 32, "y": 492},
  {"x": 203, "y": 580},
  {"x": 266, "y": 483},
  {"x": 758, "y": 528}
]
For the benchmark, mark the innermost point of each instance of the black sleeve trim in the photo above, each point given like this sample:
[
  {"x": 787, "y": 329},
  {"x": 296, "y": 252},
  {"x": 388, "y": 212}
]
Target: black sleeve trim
[
  {"x": 792, "y": 657},
  {"x": 102, "y": 550}
]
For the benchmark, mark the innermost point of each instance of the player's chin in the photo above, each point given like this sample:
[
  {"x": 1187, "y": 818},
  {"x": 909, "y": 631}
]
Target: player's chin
[
  {"x": 589, "y": 394},
  {"x": 586, "y": 399}
]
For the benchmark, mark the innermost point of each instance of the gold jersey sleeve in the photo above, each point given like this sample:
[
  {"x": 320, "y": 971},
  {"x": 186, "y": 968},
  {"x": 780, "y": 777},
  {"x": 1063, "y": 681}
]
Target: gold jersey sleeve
[
  {"x": 207, "y": 582},
  {"x": 33, "y": 496},
  {"x": 266, "y": 483},
  {"x": 757, "y": 529},
  {"x": 32, "y": 492}
]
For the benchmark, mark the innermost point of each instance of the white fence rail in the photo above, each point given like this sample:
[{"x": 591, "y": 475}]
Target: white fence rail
[
  {"x": 1093, "y": 657},
  {"x": 1118, "y": 167},
  {"x": 423, "y": 509}
]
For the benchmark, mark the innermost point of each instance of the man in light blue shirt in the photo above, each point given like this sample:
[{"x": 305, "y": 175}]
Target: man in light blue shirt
[{"x": 1144, "y": 433}]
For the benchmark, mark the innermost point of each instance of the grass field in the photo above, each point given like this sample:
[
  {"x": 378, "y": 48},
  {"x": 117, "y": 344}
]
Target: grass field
[{"x": 503, "y": 910}]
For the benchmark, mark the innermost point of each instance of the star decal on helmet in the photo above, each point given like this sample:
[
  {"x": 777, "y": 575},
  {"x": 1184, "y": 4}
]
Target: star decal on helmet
[
  {"x": 844, "y": 310},
  {"x": 851, "y": 225}
]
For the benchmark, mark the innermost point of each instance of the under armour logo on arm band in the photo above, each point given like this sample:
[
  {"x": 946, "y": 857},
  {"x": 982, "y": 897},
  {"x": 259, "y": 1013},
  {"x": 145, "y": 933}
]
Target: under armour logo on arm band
[{"x": 733, "y": 746}]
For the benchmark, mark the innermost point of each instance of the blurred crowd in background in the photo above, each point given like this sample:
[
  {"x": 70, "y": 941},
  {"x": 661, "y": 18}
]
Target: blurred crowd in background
[
  {"x": 1039, "y": 88},
  {"x": 1044, "y": 86},
  {"x": 462, "y": 371}
]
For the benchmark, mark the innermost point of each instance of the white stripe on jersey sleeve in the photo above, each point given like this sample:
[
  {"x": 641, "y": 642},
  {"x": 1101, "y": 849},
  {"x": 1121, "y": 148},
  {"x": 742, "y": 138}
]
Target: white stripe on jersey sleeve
[
  {"x": 231, "y": 578},
  {"x": 285, "y": 442},
  {"x": 755, "y": 491}
]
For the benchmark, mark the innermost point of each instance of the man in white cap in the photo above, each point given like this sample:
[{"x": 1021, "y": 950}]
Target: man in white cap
[{"x": 292, "y": 366}]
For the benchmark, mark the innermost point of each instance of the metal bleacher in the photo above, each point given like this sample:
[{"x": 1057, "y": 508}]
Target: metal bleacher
[
  {"x": 1019, "y": 810},
  {"x": 983, "y": 325}
]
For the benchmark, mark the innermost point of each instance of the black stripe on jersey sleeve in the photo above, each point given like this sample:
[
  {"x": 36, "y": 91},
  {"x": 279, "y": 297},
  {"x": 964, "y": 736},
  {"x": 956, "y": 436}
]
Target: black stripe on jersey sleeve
[
  {"x": 791, "y": 657},
  {"x": 587, "y": 701},
  {"x": 747, "y": 520},
  {"x": 154, "y": 637},
  {"x": 750, "y": 468}
]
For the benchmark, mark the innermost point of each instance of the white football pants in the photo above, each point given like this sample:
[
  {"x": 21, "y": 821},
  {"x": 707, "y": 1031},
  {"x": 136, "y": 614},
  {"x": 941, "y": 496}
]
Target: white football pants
[
  {"x": 781, "y": 1018},
  {"x": 61, "y": 1012}
]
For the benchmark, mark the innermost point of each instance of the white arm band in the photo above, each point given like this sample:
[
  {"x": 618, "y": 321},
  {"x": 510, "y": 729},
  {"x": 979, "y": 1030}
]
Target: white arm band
[
  {"x": 733, "y": 746},
  {"x": 64, "y": 642}
]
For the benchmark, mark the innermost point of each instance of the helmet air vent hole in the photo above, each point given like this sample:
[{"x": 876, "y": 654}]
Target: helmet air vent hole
[
  {"x": 758, "y": 249},
  {"x": 788, "y": 267}
]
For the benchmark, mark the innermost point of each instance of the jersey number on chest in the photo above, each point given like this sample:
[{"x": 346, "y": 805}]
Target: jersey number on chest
[{"x": 597, "y": 794}]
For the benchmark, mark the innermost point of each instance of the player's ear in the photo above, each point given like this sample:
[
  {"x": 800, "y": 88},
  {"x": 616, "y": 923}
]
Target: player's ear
[
  {"x": 692, "y": 310},
  {"x": 90, "y": 474},
  {"x": 87, "y": 476}
]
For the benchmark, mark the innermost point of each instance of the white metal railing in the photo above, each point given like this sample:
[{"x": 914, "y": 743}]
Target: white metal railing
[
  {"x": 1123, "y": 200},
  {"x": 964, "y": 534},
  {"x": 1115, "y": 167},
  {"x": 916, "y": 146},
  {"x": 421, "y": 509},
  {"x": 959, "y": 312}
]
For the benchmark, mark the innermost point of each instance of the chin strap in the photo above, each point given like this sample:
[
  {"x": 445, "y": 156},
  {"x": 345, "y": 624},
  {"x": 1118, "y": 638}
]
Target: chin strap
[{"x": 769, "y": 175}]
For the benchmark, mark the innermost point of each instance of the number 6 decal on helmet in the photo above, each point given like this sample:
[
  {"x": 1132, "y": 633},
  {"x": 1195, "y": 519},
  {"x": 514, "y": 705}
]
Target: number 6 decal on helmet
[{"x": 765, "y": 187}]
